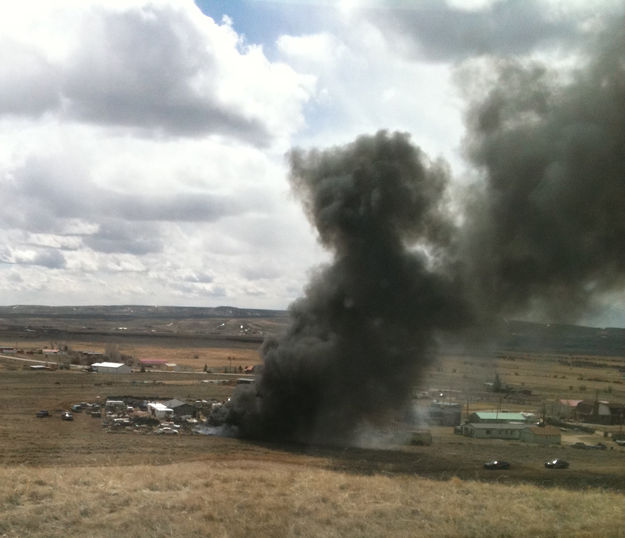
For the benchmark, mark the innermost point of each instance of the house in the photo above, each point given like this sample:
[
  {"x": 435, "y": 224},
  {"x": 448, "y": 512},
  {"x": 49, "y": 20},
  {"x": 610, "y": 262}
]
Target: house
[
  {"x": 541, "y": 435},
  {"x": 496, "y": 417},
  {"x": 111, "y": 368},
  {"x": 8, "y": 350},
  {"x": 180, "y": 408}
]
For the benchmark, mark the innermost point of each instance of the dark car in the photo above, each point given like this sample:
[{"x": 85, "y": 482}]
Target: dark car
[
  {"x": 496, "y": 464},
  {"x": 557, "y": 464},
  {"x": 43, "y": 413},
  {"x": 67, "y": 416}
]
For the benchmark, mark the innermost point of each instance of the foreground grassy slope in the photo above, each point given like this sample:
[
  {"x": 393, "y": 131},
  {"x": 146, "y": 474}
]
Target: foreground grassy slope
[{"x": 255, "y": 498}]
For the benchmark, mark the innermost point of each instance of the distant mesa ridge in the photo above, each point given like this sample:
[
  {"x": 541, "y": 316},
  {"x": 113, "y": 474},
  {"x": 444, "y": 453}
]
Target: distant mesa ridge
[
  {"x": 516, "y": 335},
  {"x": 133, "y": 311}
]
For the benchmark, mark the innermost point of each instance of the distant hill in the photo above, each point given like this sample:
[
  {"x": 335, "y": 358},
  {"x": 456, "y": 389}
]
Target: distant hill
[
  {"x": 560, "y": 338},
  {"x": 251, "y": 323},
  {"x": 121, "y": 312}
]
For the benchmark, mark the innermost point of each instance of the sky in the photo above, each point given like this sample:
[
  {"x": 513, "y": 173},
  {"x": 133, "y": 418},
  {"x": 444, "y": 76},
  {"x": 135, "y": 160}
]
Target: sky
[{"x": 143, "y": 142}]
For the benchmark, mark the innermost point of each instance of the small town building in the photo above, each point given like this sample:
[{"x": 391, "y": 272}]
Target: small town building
[
  {"x": 8, "y": 350},
  {"x": 180, "y": 408},
  {"x": 492, "y": 431},
  {"x": 153, "y": 363},
  {"x": 160, "y": 411},
  {"x": 593, "y": 411},
  {"x": 542, "y": 435},
  {"x": 599, "y": 412},
  {"x": 111, "y": 368},
  {"x": 565, "y": 408},
  {"x": 445, "y": 413},
  {"x": 89, "y": 357},
  {"x": 496, "y": 417}
]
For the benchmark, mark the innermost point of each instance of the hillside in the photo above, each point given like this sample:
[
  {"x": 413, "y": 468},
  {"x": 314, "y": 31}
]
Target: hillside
[{"x": 255, "y": 324}]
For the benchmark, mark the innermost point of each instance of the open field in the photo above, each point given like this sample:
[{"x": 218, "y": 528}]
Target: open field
[
  {"x": 74, "y": 479},
  {"x": 237, "y": 497}
]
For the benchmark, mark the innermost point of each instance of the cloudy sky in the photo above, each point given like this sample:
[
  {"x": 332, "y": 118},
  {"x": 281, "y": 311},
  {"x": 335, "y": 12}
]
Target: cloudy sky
[{"x": 142, "y": 154}]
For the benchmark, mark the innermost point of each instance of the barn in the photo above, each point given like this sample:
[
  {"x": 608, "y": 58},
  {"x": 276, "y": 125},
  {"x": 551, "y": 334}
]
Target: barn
[{"x": 111, "y": 368}]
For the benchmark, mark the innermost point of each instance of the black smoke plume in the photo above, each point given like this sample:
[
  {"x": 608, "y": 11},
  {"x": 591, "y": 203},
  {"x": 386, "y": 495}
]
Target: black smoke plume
[
  {"x": 545, "y": 230},
  {"x": 542, "y": 233},
  {"x": 367, "y": 323}
]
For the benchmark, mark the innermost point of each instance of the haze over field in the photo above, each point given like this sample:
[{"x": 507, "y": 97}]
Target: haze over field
[{"x": 143, "y": 141}]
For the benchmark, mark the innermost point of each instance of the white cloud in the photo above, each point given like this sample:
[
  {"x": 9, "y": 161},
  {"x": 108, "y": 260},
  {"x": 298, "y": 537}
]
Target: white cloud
[
  {"x": 142, "y": 143},
  {"x": 142, "y": 139}
]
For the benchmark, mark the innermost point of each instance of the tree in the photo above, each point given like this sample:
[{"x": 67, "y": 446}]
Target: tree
[
  {"x": 497, "y": 385},
  {"x": 112, "y": 352}
]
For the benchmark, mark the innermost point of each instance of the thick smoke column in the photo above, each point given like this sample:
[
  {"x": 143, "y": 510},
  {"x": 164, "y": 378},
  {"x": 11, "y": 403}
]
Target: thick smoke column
[
  {"x": 366, "y": 325},
  {"x": 545, "y": 232}
]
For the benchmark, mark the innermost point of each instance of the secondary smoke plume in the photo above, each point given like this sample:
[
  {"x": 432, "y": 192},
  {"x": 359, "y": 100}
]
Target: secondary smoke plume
[
  {"x": 545, "y": 232},
  {"x": 366, "y": 325}
]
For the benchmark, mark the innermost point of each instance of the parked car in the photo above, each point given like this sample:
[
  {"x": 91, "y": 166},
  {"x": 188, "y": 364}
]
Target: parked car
[
  {"x": 43, "y": 413},
  {"x": 77, "y": 408},
  {"x": 66, "y": 415},
  {"x": 496, "y": 464},
  {"x": 580, "y": 445},
  {"x": 557, "y": 464},
  {"x": 167, "y": 431}
]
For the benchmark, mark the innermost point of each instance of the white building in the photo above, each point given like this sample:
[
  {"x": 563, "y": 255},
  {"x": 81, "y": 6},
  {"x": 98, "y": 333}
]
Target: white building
[
  {"x": 159, "y": 410},
  {"x": 111, "y": 367}
]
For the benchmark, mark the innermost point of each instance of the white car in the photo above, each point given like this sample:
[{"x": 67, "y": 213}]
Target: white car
[{"x": 167, "y": 431}]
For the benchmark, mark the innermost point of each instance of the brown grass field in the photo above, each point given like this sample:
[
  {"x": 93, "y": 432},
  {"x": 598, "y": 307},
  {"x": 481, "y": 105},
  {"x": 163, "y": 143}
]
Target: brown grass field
[{"x": 75, "y": 479}]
